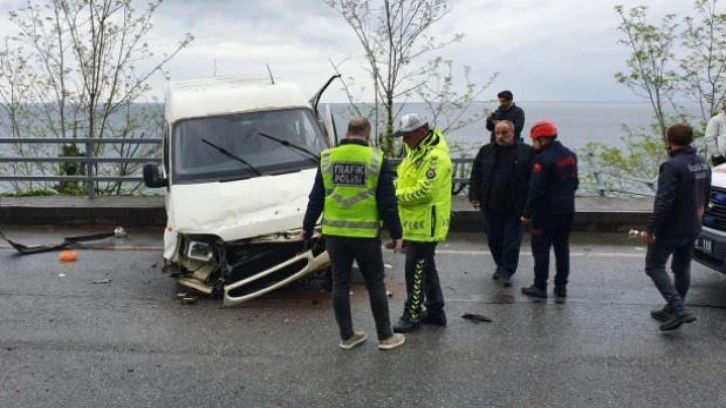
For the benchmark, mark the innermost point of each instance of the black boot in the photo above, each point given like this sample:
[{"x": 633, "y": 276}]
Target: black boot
[
  {"x": 406, "y": 325},
  {"x": 662, "y": 315},
  {"x": 677, "y": 320},
  {"x": 535, "y": 292},
  {"x": 437, "y": 318}
]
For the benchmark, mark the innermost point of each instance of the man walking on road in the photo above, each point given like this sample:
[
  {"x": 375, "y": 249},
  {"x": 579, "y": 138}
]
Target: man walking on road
[
  {"x": 423, "y": 189},
  {"x": 498, "y": 188},
  {"x": 716, "y": 136},
  {"x": 550, "y": 208},
  {"x": 507, "y": 110},
  {"x": 354, "y": 190},
  {"x": 684, "y": 184}
]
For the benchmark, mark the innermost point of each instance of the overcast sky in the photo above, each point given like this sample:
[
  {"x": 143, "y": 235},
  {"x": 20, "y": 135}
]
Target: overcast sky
[{"x": 543, "y": 50}]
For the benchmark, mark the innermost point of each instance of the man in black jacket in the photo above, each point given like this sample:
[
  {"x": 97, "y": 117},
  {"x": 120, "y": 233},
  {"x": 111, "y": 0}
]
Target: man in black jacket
[
  {"x": 684, "y": 184},
  {"x": 498, "y": 188},
  {"x": 550, "y": 208},
  {"x": 507, "y": 110}
]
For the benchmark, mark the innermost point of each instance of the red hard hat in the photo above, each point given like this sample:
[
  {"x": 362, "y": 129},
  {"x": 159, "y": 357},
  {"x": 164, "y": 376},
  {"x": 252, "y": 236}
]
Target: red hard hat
[{"x": 543, "y": 128}]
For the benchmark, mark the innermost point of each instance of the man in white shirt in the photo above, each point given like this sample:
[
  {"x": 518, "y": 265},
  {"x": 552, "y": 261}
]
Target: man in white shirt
[{"x": 716, "y": 136}]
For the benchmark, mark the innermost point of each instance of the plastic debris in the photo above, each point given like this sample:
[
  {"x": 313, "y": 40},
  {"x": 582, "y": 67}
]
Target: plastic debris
[
  {"x": 102, "y": 281},
  {"x": 61, "y": 275},
  {"x": 477, "y": 318},
  {"x": 189, "y": 300},
  {"x": 68, "y": 256},
  {"x": 388, "y": 266},
  {"x": 119, "y": 232}
]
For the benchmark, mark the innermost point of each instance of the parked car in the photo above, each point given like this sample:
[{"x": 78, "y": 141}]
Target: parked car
[{"x": 710, "y": 247}]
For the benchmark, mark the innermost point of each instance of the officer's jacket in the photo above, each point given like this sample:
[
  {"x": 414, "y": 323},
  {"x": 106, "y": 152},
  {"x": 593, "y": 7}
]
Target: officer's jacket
[
  {"x": 553, "y": 183},
  {"x": 423, "y": 189},
  {"x": 684, "y": 184}
]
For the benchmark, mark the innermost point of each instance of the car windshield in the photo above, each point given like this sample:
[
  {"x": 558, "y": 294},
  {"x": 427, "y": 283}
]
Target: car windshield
[{"x": 243, "y": 145}]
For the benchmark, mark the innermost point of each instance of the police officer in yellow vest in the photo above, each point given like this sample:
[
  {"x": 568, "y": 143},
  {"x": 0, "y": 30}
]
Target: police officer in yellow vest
[
  {"x": 354, "y": 191},
  {"x": 423, "y": 189}
]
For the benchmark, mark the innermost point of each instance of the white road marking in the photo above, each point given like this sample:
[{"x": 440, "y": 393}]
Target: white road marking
[{"x": 528, "y": 253}]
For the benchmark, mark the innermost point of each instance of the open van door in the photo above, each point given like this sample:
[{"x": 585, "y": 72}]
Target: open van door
[
  {"x": 330, "y": 127},
  {"x": 316, "y": 98}
]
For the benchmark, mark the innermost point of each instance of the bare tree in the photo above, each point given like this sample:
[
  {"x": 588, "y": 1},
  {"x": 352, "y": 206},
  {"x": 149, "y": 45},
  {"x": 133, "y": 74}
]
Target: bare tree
[
  {"x": 394, "y": 34},
  {"x": 84, "y": 60}
]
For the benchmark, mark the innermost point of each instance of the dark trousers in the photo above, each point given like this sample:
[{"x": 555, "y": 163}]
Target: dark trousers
[
  {"x": 422, "y": 280},
  {"x": 551, "y": 231},
  {"x": 367, "y": 253},
  {"x": 504, "y": 237},
  {"x": 681, "y": 247}
]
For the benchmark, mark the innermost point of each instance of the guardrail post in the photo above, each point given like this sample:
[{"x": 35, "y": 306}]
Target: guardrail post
[
  {"x": 593, "y": 170},
  {"x": 90, "y": 188}
]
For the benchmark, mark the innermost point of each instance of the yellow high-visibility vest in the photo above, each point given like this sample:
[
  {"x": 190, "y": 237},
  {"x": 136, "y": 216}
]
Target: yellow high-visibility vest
[{"x": 350, "y": 177}]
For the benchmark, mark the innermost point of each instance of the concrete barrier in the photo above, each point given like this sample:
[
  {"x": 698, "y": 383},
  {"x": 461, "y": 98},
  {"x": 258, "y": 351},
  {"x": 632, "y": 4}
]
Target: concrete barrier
[{"x": 593, "y": 213}]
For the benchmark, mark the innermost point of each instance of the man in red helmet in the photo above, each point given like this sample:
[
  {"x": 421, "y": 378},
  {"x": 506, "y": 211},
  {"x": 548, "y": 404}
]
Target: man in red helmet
[{"x": 550, "y": 208}]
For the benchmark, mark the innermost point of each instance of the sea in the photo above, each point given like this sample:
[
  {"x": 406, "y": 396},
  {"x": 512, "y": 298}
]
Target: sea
[{"x": 578, "y": 122}]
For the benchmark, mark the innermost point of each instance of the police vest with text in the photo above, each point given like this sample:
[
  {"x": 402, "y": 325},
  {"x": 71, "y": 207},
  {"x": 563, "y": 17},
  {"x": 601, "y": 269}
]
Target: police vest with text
[{"x": 350, "y": 176}]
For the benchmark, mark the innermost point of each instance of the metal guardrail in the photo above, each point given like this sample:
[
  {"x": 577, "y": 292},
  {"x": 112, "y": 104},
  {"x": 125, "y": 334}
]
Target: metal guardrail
[
  {"x": 604, "y": 183},
  {"x": 88, "y": 160}
]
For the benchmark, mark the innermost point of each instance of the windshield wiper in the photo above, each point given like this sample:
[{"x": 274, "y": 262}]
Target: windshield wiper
[
  {"x": 285, "y": 143},
  {"x": 232, "y": 155}
]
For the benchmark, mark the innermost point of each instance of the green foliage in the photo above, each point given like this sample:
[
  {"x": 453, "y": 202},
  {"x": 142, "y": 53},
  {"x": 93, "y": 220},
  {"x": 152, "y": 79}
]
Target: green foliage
[
  {"x": 32, "y": 193},
  {"x": 678, "y": 59},
  {"x": 71, "y": 169}
]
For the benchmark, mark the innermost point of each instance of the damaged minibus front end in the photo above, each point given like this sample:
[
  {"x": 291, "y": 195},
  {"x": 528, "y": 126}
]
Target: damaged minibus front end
[{"x": 240, "y": 158}]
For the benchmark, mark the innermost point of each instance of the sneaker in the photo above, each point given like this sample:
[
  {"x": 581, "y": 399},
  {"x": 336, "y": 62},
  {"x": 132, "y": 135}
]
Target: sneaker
[
  {"x": 358, "y": 338},
  {"x": 406, "y": 325},
  {"x": 662, "y": 315},
  {"x": 392, "y": 342},
  {"x": 438, "y": 318},
  {"x": 560, "y": 291},
  {"x": 676, "y": 321},
  {"x": 495, "y": 276},
  {"x": 534, "y": 292}
]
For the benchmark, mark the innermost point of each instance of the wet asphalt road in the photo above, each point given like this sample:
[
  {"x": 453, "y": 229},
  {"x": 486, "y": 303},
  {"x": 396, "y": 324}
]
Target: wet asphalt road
[{"x": 69, "y": 342}]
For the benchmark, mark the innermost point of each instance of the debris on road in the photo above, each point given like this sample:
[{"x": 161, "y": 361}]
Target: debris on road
[
  {"x": 68, "y": 256},
  {"x": 102, "y": 281},
  {"x": 476, "y": 318},
  {"x": 61, "y": 275},
  {"x": 189, "y": 300},
  {"x": 120, "y": 232},
  {"x": 68, "y": 242}
]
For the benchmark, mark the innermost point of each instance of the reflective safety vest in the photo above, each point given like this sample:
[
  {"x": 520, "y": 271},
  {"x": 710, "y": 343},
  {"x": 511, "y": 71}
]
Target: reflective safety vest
[
  {"x": 423, "y": 189},
  {"x": 350, "y": 177}
]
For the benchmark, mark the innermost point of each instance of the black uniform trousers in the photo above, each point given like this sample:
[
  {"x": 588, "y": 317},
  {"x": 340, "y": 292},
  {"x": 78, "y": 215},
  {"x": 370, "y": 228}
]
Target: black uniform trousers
[
  {"x": 422, "y": 280},
  {"x": 367, "y": 253},
  {"x": 551, "y": 231}
]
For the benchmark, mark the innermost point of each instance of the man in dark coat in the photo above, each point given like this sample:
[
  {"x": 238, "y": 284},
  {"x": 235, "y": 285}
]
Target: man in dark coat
[
  {"x": 498, "y": 188},
  {"x": 684, "y": 185},
  {"x": 550, "y": 208},
  {"x": 507, "y": 110}
]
